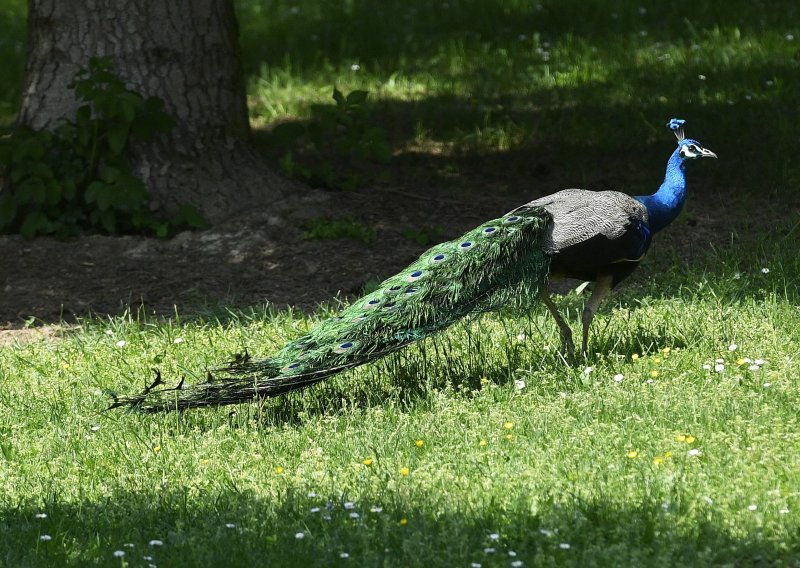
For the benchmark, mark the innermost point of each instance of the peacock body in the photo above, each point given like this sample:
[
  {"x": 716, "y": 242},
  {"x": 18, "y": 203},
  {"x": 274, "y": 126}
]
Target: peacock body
[{"x": 508, "y": 261}]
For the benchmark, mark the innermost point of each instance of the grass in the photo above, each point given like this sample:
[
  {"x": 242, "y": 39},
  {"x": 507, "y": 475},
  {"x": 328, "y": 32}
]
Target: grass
[
  {"x": 597, "y": 471},
  {"x": 674, "y": 463}
]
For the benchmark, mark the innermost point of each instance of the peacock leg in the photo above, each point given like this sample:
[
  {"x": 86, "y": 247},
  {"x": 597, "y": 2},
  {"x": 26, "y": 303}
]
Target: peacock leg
[
  {"x": 602, "y": 288},
  {"x": 567, "y": 346}
]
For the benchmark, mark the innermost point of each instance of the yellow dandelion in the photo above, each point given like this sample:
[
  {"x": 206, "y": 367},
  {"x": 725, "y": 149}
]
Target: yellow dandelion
[
  {"x": 658, "y": 460},
  {"x": 656, "y": 359},
  {"x": 482, "y": 443},
  {"x": 404, "y": 471},
  {"x": 65, "y": 365},
  {"x": 680, "y": 438},
  {"x": 279, "y": 470},
  {"x": 508, "y": 425},
  {"x": 668, "y": 454},
  {"x": 654, "y": 374},
  {"x": 635, "y": 357},
  {"x": 741, "y": 362},
  {"x": 403, "y": 522},
  {"x": 633, "y": 454},
  {"x": 367, "y": 462},
  {"x": 666, "y": 350},
  {"x": 484, "y": 381},
  {"x": 419, "y": 443},
  {"x": 156, "y": 449},
  {"x": 204, "y": 462},
  {"x": 690, "y": 439},
  {"x": 509, "y": 436}
]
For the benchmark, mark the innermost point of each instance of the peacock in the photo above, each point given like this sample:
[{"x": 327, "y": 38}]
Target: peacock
[{"x": 596, "y": 236}]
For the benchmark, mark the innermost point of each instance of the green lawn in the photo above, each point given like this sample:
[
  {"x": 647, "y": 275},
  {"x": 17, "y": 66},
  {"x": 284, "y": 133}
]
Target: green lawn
[
  {"x": 651, "y": 457},
  {"x": 481, "y": 443}
]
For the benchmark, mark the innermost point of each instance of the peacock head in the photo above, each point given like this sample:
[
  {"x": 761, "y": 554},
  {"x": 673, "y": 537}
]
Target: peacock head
[{"x": 688, "y": 149}]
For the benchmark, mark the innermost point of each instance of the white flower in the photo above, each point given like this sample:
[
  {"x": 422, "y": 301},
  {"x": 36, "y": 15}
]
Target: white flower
[
  {"x": 545, "y": 532},
  {"x": 767, "y": 385},
  {"x": 754, "y": 367},
  {"x": 587, "y": 370},
  {"x": 707, "y": 367},
  {"x": 156, "y": 542},
  {"x": 355, "y": 67},
  {"x": 148, "y": 558},
  {"x": 693, "y": 452},
  {"x": 311, "y": 495},
  {"x": 489, "y": 550},
  {"x": 94, "y": 427},
  {"x": 521, "y": 336},
  {"x": 765, "y": 270},
  {"x": 789, "y": 37},
  {"x": 738, "y": 275},
  {"x": 708, "y": 500},
  {"x": 376, "y": 509},
  {"x": 665, "y": 506},
  {"x": 349, "y": 505},
  {"x": 121, "y": 343},
  {"x": 511, "y": 553},
  {"x": 230, "y": 526},
  {"x": 300, "y": 536},
  {"x": 752, "y": 507},
  {"x": 315, "y": 509},
  {"x": 719, "y": 360},
  {"x": 45, "y": 537},
  {"x": 354, "y": 515},
  {"x": 494, "y": 536},
  {"x": 733, "y": 347},
  {"x": 517, "y": 563},
  {"x": 701, "y": 77},
  {"x": 119, "y": 553},
  {"x": 783, "y": 511},
  {"x": 618, "y": 377},
  {"x": 41, "y": 515},
  {"x": 564, "y": 546},
  {"x": 178, "y": 340},
  {"x": 768, "y": 84},
  {"x": 475, "y": 565},
  {"x": 344, "y": 555},
  {"x": 759, "y": 362},
  {"x": 109, "y": 332},
  {"x": 719, "y": 367},
  {"x": 519, "y": 384},
  {"x": 128, "y": 545},
  {"x": 649, "y": 381}
]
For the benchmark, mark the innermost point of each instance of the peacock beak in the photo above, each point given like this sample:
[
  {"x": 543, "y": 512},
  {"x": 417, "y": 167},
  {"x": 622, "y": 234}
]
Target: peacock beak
[{"x": 708, "y": 154}]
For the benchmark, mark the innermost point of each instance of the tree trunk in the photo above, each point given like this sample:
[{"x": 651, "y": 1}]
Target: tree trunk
[{"x": 183, "y": 51}]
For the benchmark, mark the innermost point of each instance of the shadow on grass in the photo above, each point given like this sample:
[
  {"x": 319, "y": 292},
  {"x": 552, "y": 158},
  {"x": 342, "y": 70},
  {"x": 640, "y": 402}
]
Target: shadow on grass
[{"x": 238, "y": 528}]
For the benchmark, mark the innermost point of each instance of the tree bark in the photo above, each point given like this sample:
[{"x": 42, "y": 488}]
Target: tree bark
[{"x": 183, "y": 51}]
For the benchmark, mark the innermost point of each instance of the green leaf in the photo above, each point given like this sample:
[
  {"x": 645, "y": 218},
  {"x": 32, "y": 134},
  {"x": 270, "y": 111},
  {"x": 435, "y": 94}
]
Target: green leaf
[
  {"x": 90, "y": 196},
  {"x": 8, "y": 209},
  {"x": 357, "y": 97},
  {"x": 338, "y": 97},
  {"x": 31, "y": 190},
  {"x": 35, "y": 222},
  {"x": 118, "y": 138},
  {"x": 109, "y": 174},
  {"x": 190, "y": 216},
  {"x": 108, "y": 219}
]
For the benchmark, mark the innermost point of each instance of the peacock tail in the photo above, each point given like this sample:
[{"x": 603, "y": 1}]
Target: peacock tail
[{"x": 501, "y": 263}]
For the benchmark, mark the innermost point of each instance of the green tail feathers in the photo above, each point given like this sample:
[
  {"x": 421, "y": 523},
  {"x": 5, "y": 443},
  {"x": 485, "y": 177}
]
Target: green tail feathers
[{"x": 499, "y": 263}]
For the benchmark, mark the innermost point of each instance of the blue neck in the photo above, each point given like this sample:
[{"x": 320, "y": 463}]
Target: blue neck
[{"x": 666, "y": 203}]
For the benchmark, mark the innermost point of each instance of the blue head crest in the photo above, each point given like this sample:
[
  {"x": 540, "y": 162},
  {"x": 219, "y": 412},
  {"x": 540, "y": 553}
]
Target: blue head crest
[{"x": 676, "y": 125}]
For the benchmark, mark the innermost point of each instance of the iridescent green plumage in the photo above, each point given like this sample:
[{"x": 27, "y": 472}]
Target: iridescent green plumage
[{"x": 500, "y": 263}]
